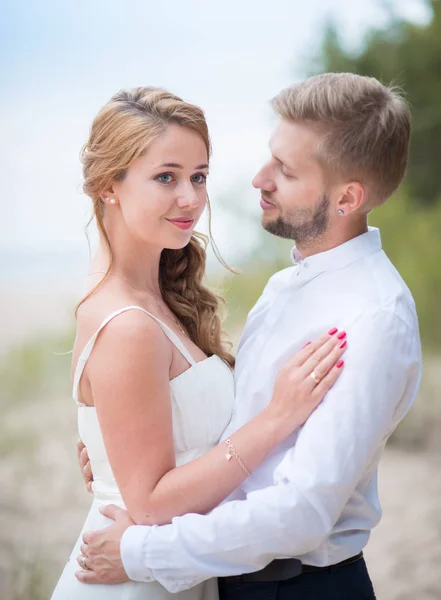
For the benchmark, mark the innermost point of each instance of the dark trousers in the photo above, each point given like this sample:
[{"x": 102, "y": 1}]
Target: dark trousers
[{"x": 348, "y": 582}]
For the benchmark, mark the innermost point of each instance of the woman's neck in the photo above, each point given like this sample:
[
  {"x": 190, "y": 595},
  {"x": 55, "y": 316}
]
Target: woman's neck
[{"x": 141, "y": 271}]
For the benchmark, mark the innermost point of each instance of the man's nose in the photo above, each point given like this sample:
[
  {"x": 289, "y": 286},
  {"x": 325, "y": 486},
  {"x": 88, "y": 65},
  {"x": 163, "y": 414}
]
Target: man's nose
[{"x": 263, "y": 181}]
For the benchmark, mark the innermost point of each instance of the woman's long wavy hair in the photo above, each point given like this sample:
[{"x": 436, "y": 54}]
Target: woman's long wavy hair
[{"x": 122, "y": 131}]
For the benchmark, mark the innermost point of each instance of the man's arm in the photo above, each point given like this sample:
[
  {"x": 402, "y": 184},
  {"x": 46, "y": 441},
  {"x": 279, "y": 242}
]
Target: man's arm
[
  {"x": 84, "y": 462},
  {"x": 314, "y": 482}
]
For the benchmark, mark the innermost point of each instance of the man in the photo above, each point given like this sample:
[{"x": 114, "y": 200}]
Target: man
[{"x": 297, "y": 526}]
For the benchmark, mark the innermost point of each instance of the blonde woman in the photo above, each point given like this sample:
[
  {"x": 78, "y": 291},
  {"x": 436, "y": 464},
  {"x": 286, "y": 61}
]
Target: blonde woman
[{"x": 152, "y": 377}]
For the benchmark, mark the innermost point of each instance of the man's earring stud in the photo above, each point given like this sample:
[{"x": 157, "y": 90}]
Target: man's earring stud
[{"x": 340, "y": 212}]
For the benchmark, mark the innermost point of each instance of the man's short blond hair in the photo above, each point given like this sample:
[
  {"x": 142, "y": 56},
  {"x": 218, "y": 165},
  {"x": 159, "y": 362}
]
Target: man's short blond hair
[{"x": 365, "y": 127}]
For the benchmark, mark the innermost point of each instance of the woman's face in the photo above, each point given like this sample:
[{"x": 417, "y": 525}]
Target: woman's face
[{"x": 164, "y": 192}]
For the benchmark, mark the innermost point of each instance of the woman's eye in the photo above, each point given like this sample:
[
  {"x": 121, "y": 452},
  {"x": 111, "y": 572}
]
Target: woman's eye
[
  {"x": 164, "y": 178},
  {"x": 199, "y": 178}
]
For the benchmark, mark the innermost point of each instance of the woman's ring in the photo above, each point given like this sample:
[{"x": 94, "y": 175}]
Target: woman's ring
[{"x": 314, "y": 377}]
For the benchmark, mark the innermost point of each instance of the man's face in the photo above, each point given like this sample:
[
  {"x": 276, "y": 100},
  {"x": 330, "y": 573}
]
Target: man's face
[{"x": 294, "y": 199}]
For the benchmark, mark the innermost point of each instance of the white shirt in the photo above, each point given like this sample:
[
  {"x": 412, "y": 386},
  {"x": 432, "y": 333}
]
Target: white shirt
[{"x": 315, "y": 497}]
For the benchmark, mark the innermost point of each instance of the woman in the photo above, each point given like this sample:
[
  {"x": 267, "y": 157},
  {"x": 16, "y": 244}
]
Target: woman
[{"x": 152, "y": 377}]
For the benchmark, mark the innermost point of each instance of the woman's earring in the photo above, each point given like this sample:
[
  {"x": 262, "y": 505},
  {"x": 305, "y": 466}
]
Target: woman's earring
[
  {"x": 111, "y": 200},
  {"x": 340, "y": 212}
]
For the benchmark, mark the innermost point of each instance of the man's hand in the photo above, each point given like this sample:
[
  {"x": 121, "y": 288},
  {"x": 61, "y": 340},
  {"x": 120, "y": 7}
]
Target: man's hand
[
  {"x": 100, "y": 551},
  {"x": 83, "y": 459}
]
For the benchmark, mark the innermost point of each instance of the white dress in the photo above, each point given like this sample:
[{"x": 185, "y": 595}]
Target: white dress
[{"x": 202, "y": 402}]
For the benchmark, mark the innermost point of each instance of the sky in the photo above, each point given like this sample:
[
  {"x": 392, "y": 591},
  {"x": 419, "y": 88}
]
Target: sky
[{"x": 60, "y": 61}]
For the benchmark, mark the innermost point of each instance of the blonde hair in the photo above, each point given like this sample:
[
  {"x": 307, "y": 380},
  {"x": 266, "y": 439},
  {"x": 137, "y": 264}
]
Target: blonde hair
[
  {"x": 121, "y": 132},
  {"x": 365, "y": 127}
]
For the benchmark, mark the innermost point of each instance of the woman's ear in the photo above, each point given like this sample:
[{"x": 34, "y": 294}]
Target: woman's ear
[{"x": 109, "y": 196}]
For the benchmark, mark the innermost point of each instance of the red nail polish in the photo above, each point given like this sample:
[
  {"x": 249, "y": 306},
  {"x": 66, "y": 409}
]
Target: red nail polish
[
  {"x": 341, "y": 335},
  {"x": 307, "y": 344},
  {"x": 340, "y": 364},
  {"x": 343, "y": 344},
  {"x": 332, "y": 331}
]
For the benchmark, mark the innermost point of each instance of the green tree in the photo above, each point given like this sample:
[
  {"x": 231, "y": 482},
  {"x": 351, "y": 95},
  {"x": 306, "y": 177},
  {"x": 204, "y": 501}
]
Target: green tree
[{"x": 409, "y": 56}]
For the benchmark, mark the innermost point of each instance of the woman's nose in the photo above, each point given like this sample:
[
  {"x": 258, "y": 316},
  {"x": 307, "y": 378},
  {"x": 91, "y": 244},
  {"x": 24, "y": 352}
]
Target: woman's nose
[{"x": 188, "y": 199}]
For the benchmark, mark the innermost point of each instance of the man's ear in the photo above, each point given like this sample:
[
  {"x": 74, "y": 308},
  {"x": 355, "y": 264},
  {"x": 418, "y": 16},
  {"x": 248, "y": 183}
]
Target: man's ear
[{"x": 352, "y": 197}]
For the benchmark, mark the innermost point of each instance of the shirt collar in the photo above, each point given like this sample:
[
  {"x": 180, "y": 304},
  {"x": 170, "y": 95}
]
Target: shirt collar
[{"x": 341, "y": 255}]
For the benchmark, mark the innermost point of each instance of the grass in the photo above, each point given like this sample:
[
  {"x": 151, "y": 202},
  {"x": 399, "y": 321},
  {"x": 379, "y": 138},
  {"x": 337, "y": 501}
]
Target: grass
[
  {"x": 29, "y": 579},
  {"x": 36, "y": 366},
  {"x": 30, "y": 373}
]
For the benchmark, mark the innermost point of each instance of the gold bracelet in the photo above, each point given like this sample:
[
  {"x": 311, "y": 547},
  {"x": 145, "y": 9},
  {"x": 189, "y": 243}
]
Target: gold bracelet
[{"x": 232, "y": 452}]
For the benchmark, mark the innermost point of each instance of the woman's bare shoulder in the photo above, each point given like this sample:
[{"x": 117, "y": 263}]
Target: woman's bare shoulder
[
  {"x": 132, "y": 342},
  {"x": 134, "y": 327}
]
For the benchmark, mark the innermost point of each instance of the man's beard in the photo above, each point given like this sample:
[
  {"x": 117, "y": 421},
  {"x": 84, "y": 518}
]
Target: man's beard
[{"x": 301, "y": 225}]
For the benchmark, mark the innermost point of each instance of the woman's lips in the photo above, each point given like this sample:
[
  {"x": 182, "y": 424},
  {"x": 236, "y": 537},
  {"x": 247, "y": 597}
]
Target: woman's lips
[{"x": 183, "y": 224}]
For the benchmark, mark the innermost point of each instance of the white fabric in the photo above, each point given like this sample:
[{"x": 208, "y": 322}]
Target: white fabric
[
  {"x": 202, "y": 400},
  {"x": 315, "y": 498}
]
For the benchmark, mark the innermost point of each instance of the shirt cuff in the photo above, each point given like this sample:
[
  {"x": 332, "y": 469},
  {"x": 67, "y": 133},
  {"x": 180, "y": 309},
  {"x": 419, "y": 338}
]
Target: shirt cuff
[{"x": 132, "y": 547}]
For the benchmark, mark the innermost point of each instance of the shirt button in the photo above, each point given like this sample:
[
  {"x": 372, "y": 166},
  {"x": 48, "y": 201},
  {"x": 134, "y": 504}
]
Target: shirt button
[{"x": 306, "y": 265}]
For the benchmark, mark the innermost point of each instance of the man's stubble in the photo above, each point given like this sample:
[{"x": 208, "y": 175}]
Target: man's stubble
[{"x": 301, "y": 225}]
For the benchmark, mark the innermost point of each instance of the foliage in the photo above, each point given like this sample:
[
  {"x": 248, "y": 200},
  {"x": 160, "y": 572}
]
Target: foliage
[
  {"x": 411, "y": 239},
  {"x": 407, "y": 55},
  {"x": 24, "y": 370},
  {"x": 410, "y": 222}
]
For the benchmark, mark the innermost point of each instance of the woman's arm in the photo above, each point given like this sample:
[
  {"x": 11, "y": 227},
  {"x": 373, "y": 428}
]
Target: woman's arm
[{"x": 129, "y": 376}]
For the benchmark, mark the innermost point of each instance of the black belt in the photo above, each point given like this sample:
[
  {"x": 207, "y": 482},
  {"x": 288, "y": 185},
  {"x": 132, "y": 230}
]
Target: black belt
[{"x": 286, "y": 568}]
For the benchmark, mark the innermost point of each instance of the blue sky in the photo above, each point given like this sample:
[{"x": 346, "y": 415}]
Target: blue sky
[{"x": 61, "y": 61}]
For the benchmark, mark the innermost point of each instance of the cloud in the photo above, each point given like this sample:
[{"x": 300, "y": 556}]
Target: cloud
[{"x": 63, "y": 60}]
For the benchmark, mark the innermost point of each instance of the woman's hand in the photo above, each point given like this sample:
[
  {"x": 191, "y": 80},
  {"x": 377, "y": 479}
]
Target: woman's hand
[
  {"x": 304, "y": 379},
  {"x": 83, "y": 459}
]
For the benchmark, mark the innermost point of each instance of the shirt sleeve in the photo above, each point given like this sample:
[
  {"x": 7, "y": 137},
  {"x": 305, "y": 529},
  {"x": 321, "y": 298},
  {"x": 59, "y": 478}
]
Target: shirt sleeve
[{"x": 334, "y": 450}]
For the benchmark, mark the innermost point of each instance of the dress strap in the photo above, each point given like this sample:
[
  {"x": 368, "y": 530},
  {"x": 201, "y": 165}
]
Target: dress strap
[{"x": 84, "y": 356}]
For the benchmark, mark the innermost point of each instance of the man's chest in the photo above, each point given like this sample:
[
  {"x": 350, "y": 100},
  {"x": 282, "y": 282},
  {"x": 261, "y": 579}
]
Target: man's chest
[
  {"x": 279, "y": 326},
  {"x": 276, "y": 329}
]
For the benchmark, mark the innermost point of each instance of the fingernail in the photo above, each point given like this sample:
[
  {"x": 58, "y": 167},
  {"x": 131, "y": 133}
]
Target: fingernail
[
  {"x": 340, "y": 364},
  {"x": 307, "y": 344},
  {"x": 332, "y": 331},
  {"x": 341, "y": 335},
  {"x": 343, "y": 344}
]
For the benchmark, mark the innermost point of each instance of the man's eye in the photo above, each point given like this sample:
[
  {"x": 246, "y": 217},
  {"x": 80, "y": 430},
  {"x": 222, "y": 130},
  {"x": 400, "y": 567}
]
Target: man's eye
[
  {"x": 164, "y": 177},
  {"x": 199, "y": 178}
]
